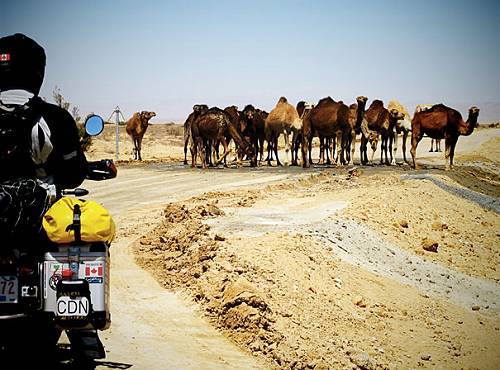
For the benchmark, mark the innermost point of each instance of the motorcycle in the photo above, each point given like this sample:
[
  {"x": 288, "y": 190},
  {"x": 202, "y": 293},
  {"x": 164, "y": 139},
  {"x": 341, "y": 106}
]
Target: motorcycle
[{"x": 57, "y": 287}]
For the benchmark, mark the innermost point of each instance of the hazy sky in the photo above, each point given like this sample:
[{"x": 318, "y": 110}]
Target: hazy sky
[{"x": 166, "y": 56}]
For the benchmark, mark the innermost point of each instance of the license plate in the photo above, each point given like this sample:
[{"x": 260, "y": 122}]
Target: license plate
[
  {"x": 8, "y": 289},
  {"x": 72, "y": 306}
]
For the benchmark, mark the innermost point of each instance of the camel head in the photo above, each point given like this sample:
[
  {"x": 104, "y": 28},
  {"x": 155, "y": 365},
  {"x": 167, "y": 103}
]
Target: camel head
[
  {"x": 146, "y": 116},
  {"x": 474, "y": 111},
  {"x": 249, "y": 112},
  {"x": 362, "y": 100},
  {"x": 373, "y": 140},
  {"x": 200, "y": 108},
  {"x": 396, "y": 115},
  {"x": 473, "y": 115},
  {"x": 282, "y": 100}
]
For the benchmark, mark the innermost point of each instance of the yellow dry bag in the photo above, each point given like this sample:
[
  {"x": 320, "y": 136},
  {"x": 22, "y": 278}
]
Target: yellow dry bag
[{"x": 73, "y": 220}]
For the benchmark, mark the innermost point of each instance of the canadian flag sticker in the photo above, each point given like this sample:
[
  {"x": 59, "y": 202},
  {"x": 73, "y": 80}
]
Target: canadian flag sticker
[
  {"x": 94, "y": 272},
  {"x": 4, "y": 57}
]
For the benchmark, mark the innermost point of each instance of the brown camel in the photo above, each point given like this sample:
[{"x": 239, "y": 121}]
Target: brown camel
[
  {"x": 442, "y": 122},
  {"x": 282, "y": 119},
  {"x": 303, "y": 108},
  {"x": 198, "y": 110},
  {"x": 328, "y": 119},
  {"x": 253, "y": 128},
  {"x": 377, "y": 121},
  {"x": 421, "y": 108},
  {"x": 212, "y": 126},
  {"x": 356, "y": 114},
  {"x": 136, "y": 128}
]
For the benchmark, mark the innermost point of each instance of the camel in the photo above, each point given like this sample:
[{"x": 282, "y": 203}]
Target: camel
[
  {"x": 212, "y": 127},
  {"x": 403, "y": 125},
  {"x": 282, "y": 119},
  {"x": 377, "y": 121},
  {"x": 327, "y": 119},
  {"x": 356, "y": 114},
  {"x": 253, "y": 127},
  {"x": 437, "y": 142},
  {"x": 303, "y": 108},
  {"x": 198, "y": 110},
  {"x": 442, "y": 122},
  {"x": 136, "y": 128}
]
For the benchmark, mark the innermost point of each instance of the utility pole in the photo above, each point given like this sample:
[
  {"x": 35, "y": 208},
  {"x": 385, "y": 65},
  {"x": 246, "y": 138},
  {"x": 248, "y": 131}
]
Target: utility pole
[{"x": 118, "y": 113}]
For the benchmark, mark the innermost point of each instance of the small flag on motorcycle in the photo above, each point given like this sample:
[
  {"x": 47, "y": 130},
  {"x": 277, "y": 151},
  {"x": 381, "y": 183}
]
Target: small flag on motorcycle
[{"x": 4, "y": 57}]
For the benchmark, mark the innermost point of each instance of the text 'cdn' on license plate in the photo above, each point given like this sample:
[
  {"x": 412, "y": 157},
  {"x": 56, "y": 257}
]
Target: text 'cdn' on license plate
[{"x": 78, "y": 306}]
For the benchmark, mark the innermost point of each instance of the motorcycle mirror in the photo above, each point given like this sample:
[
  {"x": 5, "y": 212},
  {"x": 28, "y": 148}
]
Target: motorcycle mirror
[{"x": 94, "y": 125}]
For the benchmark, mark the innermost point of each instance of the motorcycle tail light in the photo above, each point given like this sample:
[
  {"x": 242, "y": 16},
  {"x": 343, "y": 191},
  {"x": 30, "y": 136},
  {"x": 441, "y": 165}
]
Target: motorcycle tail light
[{"x": 25, "y": 271}]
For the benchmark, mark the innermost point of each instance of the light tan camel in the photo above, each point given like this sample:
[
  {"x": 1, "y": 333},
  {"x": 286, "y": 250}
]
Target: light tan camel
[{"x": 282, "y": 119}]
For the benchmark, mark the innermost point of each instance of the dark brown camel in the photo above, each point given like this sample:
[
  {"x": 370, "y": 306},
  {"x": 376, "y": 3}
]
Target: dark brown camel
[
  {"x": 303, "y": 108},
  {"x": 356, "y": 114},
  {"x": 212, "y": 127},
  {"x": 253, "y": 128},
  {"x": 198, "y": 110},
  {"x": 328, "y": 119},
  {"x": 136, "y": 128},
  {"x": 442, "y": 122},
  {"x": 377, "y": 121}
]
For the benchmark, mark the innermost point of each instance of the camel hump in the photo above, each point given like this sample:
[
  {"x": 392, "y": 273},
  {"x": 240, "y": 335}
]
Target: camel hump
[
  {"x": 326, "y": 100},
  {"x": 377, "y": 103}
]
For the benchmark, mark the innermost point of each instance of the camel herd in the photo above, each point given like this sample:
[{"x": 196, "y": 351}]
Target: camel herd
[{"x": 333, "y": 122}]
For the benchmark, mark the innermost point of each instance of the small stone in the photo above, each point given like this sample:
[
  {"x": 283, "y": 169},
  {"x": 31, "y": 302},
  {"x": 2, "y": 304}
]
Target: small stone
[
  {"x": 425, "y": 357},
  {"x": 403, "y": 223},
  {"x": 430, "y": 245},
  {"x": 437, "y": 225},
  {"x": 163, "y": 239},
  {"x": 362, "y": 360},
  {"x": 359, "y": 301},
  {"x": 476, "y": 307},
  {"x": 219, "y": 238}
]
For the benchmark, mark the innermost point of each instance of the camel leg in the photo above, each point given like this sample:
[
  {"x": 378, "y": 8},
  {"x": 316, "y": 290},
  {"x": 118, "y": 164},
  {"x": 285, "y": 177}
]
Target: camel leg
[
  {"x": 139, "y": 145},
  {"x": 394, "y": 148},
  {"x": 362, "y": 149},
  {"x": 450, "y": 143},
  {"x": 186, "y": 141},
  {"x": 286, "y": 133},
  {"x": 339, "y": 152},
  {"x": 353, "y": 145},
  {"x": 432, "y": 145},
  {"x": 374, "y": 149},
  {"x": 269, "y": 151},
  {"x": 275, "y": 148},
  {"x": 405, "y": 136},
  {"x": 415, "y": 138},
  {"x": 305, "y": 148}
]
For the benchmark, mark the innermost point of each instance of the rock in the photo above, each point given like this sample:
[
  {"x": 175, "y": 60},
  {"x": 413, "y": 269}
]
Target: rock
[
  {"x": 430, "y": 245},
  {"x": 362, "y": 360},
  {"x": 359, "y": 301},
  {"x": 219, "y": 238},
  {"x": 438, "y": 226},
  {"x": 425, "y": 357},
  {"x": 163, "y": 239},
  {"x": 403, "y": 223},
  {"x": 476, "y": 307}
]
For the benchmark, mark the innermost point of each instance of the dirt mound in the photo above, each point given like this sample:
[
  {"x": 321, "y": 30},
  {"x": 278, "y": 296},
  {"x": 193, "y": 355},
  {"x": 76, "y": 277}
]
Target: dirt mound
[{"x": 182, "y": 254}]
